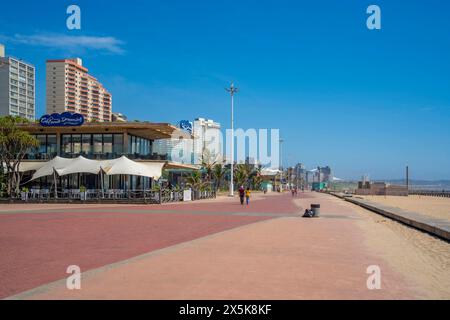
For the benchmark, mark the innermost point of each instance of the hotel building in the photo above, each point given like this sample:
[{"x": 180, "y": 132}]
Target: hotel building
[
  {"x": 17, "y": 87},
  {"x": 70, "y": 88},
  {"x": 206, "y": 140}
]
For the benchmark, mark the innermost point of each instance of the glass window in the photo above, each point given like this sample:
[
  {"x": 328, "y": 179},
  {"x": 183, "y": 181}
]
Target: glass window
[
  {"x": 51, "y": 144},
  {"x": 76, "y": 141},
  {"x": 86, "y": 144},
  {"x": 107, "y": 143},
  {"x": 42, "y": 143},
  {"x": 66, "y": 143},
  {"x": 118, "y": 144},
  {"x": 97, "y": 143}
]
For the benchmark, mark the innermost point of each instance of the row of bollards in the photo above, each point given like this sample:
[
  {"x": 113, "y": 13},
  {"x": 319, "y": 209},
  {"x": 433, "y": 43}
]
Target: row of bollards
[{"x": 314, "y": 212}]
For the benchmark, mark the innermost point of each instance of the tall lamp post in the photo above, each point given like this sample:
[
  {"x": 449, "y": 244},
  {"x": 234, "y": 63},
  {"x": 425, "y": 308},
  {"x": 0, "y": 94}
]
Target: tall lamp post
[
  {"x": 232, "y": 90},
  {"x": 281, "y": 164}
]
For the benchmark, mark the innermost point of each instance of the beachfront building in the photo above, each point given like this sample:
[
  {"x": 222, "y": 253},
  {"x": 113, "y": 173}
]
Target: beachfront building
[
  {"x": 208, "y": 140},
  {"x": 71, "y": 88},
  {"x": 17, "y": 87},
  {"x": 98, "y": 141}
]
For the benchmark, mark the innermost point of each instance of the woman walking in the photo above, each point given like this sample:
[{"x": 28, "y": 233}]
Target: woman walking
[{"x": 247, "y": 195}]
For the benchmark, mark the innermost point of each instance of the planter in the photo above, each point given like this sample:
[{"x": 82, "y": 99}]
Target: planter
[{"x": 24, "y": 196}]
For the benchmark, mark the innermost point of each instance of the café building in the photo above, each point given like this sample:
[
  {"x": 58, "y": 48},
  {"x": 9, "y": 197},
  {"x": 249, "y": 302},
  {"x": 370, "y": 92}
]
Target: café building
[{"x": 99, "y": 141}]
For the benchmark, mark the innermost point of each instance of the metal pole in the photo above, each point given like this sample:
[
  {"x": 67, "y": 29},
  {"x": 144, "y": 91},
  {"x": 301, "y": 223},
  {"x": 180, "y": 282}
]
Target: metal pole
[
  {"x": 281, "y": 164},
  {"x": 232, "y": 90},
  {"x": 56, "y": 186},
  {"x": 407, "y": 179},
  {"x": 232, "y": 147}
]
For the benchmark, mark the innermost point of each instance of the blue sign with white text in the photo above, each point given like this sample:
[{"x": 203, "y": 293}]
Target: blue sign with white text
[{"x": 65, "y": 119}]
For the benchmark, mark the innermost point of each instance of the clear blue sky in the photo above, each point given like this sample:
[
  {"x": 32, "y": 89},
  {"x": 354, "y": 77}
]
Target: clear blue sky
[{"x": 360, "y": 101}]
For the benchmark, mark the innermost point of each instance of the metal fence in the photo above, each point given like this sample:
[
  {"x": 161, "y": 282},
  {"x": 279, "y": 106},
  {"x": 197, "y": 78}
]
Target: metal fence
[
  {"x": 111, "y": 195},
  {"x": 441, "y": 194}
]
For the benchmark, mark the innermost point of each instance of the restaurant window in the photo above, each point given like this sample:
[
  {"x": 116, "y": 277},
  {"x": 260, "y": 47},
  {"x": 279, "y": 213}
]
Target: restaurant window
[
  {"x": 51, "y": 145},
  {"x": 66, "y": 143},
  {"x": 118, "y": 144},
  {"x": 76, "y": 141},
  {"x": 97, "y": 139},
  {"x": 86, "y": 144},
  {"x": 107, "y": 144}
]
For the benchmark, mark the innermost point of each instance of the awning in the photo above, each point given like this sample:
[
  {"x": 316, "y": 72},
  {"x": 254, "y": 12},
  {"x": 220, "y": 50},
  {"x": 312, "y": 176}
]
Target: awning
[
  {"x": 48, "y": 168},
  {"x": 31, "y": 165},
  {"x": 123, "y": 165}
]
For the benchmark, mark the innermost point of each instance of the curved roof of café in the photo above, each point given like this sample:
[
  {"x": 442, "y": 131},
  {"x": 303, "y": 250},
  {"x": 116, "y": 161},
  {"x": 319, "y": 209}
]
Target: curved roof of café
[{"x": 149, "y": 130}]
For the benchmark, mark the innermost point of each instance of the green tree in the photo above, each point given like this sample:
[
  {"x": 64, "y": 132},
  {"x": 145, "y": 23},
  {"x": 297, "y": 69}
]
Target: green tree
[
  {"x": 241, "y": 174},
  {"x": 219, "y": 172},
  {"x": 14, "y": 145}
]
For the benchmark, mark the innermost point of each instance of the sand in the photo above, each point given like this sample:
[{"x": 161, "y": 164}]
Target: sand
[
  {"x": 431, "y": 206},
  {"x": 424, "y": 260}
]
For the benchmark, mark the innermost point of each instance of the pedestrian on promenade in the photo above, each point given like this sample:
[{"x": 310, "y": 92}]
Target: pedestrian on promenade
[
  {"x": 293, "y": 192},
  {"x": 247, "y": 195},
  {"x": 241, "y": 194}
]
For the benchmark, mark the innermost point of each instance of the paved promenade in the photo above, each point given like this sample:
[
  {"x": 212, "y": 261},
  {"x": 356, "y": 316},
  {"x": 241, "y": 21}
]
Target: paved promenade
[{"x": 216, "y": 249}]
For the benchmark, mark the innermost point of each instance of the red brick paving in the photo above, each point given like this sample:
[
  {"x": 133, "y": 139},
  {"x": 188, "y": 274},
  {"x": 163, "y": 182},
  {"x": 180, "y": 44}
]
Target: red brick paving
[
  {"x": 37, "y": 248},
  {"x": 279, "y": 203}
]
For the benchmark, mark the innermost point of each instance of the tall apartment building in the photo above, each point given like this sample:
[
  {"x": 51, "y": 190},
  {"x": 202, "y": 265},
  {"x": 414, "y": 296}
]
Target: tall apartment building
[
  {"x": 17, "y": 87},
  {"x": 71, "y": 88},
  {"x": 207, "y": 139},
  {"x": 207, "y": 136}
]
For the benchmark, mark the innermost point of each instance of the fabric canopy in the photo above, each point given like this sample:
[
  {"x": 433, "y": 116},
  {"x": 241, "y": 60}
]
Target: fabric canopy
[
  {"x": 48, "y": 168},
  {"x": 122, "y": 165},
  {"x": 81, "y": 165},
  {"x": 31, "y": 165}
]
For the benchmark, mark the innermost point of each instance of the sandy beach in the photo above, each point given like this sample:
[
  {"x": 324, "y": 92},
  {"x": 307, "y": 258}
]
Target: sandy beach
[
  {"x": 430, "y": 206},
  {"x": 424, "y": 260}
]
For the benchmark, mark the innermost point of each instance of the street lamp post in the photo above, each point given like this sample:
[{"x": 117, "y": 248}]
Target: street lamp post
[
  {"x": 232, "y": 90},
  {"x": 281, "y": 164}
]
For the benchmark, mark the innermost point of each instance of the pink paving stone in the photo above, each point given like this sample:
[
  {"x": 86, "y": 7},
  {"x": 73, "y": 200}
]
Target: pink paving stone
[{"x": 37, "y": 248}]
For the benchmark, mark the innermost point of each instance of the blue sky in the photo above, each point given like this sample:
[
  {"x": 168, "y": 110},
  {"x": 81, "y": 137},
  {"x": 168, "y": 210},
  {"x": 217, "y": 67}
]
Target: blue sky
[{"x": 361, "y": 101}]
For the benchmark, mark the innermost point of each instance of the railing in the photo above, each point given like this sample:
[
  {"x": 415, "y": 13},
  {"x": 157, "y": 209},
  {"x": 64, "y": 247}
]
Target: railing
[
  {"x": 204, "y": 194},
  {"x": 442, "y": 194},
  {"x": 110, "y": 195}
]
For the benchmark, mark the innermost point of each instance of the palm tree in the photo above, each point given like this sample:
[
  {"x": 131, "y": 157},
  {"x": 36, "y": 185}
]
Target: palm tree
[
  {"x": 208, "y": 163},
  {"x": 219, "y": 172},
  {"x": 257, "y": 179},
  {"x": 241, "y": 174}
]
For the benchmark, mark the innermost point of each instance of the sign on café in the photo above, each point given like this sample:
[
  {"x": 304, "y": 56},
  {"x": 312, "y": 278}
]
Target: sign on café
[{"x": 65, "y": 119}]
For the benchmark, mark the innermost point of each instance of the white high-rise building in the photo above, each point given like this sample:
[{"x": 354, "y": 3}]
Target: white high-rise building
[
  {"x": 17, "y": 87},
  {"x": 207, "y": 138}
]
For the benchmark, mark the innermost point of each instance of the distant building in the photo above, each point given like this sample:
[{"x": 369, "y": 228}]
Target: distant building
[
  {"x": 380, "y": 189},
  {"x": 71, "y": 88},
  {"x": 207, "y": 137},
  {"x": 118, "y": 117},
  {"x": 17, "y": 87}
]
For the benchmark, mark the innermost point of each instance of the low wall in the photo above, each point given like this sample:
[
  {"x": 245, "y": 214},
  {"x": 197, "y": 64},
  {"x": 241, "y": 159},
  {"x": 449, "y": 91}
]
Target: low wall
[{"x": 434, "y": 226}]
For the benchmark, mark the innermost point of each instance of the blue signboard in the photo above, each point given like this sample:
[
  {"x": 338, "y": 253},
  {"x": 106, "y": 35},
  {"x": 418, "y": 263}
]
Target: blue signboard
[
  {"x": 186, "y": 125},
  {"x": 65, "y": 119}
]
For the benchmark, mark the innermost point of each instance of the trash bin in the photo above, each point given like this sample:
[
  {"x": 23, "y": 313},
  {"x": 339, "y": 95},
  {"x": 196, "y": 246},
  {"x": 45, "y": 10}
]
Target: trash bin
[{"x": 316, "y": 209}]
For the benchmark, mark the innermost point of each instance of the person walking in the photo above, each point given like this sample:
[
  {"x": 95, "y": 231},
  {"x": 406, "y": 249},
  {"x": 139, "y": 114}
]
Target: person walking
[
  {"x": 247, "y": 195},
  {"x": 241, "y": 194}
]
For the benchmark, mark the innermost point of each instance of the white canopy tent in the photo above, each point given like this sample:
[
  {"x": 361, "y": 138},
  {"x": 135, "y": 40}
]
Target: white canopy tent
[
  {"x": 122, "y": 165},
  {"x": 125, "y": 166}
]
